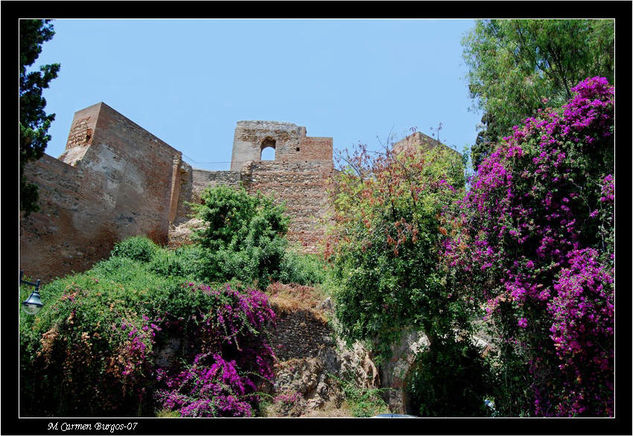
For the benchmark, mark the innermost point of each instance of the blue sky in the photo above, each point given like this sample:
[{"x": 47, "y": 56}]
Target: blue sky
[{"x": 189, "y": 81}]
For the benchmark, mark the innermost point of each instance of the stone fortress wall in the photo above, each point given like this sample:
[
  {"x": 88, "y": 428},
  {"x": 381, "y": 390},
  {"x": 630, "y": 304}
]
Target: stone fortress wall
[
  {"x": 116, "y": 180},
  {"x": 297, "y": 176}
]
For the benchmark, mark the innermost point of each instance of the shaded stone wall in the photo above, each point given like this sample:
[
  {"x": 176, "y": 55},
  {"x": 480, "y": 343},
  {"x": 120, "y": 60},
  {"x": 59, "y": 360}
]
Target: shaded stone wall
[
  {"x": 185, "y": 182},
  {"x": 300, "y": 334},
  {"x": 69, "y": 233},
  {"x": 114, "y": 180}
]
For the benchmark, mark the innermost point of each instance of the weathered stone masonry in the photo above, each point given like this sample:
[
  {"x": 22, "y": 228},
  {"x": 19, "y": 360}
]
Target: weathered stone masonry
[
  {"x": 116, "y": 180},
  {"x": 297, "y": 176}
]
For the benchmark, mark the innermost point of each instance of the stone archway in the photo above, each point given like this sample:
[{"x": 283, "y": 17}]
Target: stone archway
[
  {"x": 394, "y": 372},
  {"x": 410, "y": 405}
]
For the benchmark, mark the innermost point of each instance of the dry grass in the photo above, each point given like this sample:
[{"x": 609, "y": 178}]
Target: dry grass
[
  {"x": 328, "y": 410},
  {"x": 288, "y": 298}
]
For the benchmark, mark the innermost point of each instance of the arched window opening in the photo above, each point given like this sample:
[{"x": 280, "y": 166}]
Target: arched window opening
[{"x": 268, "y": 149}]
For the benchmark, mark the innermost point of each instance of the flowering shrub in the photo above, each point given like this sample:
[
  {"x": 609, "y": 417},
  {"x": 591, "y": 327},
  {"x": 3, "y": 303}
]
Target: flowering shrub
[
  {"x": 95, "y": 326},
  {"x": 384, "y": 244},
  {"x": 385, "y": 249},
  {"x": 582, "y": 331},
  {"x": 206, "y": 390},
  {"x": 533, "y": 244},
  {"x": 214, "y": 385},
  {"x": 94, "y": 347}
]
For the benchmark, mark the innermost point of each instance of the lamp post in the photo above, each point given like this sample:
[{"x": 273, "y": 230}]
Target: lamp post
[{"x": 33, "y": 304}]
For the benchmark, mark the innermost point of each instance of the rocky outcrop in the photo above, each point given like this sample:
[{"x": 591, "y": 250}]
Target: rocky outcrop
[
  {"x": 181, "y": 234},
  {"x": 311, "y": 364}
]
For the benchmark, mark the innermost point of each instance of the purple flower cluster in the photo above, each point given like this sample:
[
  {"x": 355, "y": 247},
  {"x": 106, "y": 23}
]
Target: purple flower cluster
[
  {"x": 138, "y": 343},
  {"x": 608, "y": 189},
  {"x": 247, "y": 310},
  {"x": 589, "y": 110},
  {"x": 213, "y": 385},
  {"x": 208, "y": 390},
  {"x": 538, "y": 209},
  {"x": 582, "y": 331}
]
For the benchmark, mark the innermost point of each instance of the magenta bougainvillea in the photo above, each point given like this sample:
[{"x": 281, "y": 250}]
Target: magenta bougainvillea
[
  {"x": 533, "y": 246},
  {"x": 207, "y": 389},
  {"x": 234, "y": 357}
]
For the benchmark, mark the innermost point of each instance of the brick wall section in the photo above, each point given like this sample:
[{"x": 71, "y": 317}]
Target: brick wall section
[
  {"x": 302, "y": 186},
  {"x": 81, "y": 134},
  {"x": 203, "y": 179},
  {"x": 120, "y": 187},
  {"x": 312, "y": 149}
]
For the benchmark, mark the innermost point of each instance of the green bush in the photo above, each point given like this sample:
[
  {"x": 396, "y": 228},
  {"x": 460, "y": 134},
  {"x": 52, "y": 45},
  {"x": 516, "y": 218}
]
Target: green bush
[
  {"x": 185, "y": 261},
  {"x": 137, "y": 248},
  {"x": 303, "y": 269},
  {"x": 362, "y": 402},
  {"x": 243, "y": 236}
]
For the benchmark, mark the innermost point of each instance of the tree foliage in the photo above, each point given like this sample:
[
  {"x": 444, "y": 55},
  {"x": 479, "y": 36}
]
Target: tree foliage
[
  {"x": 520, "y": 66},
  {"x": 385, "y": 252},
  {"x": 34, "y": 122},
  {"x": 384, "y": 243}
]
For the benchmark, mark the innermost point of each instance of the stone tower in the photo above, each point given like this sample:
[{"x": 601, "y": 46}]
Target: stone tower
[
  {"x": 297, "y": 176},
  {"x": 289, "y": 141}
]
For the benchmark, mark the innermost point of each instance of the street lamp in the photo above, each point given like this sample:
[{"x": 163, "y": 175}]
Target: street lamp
[{"x": 33, "y": 304}]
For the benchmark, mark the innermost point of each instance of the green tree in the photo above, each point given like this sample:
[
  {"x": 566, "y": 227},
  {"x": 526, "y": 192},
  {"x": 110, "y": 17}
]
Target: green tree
[
  {"x": 385, "y": 240},
  {"x": 385, "y": 252},
  {"x": 520, "y": 66},
  {"x": 34, "y": 121}
]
